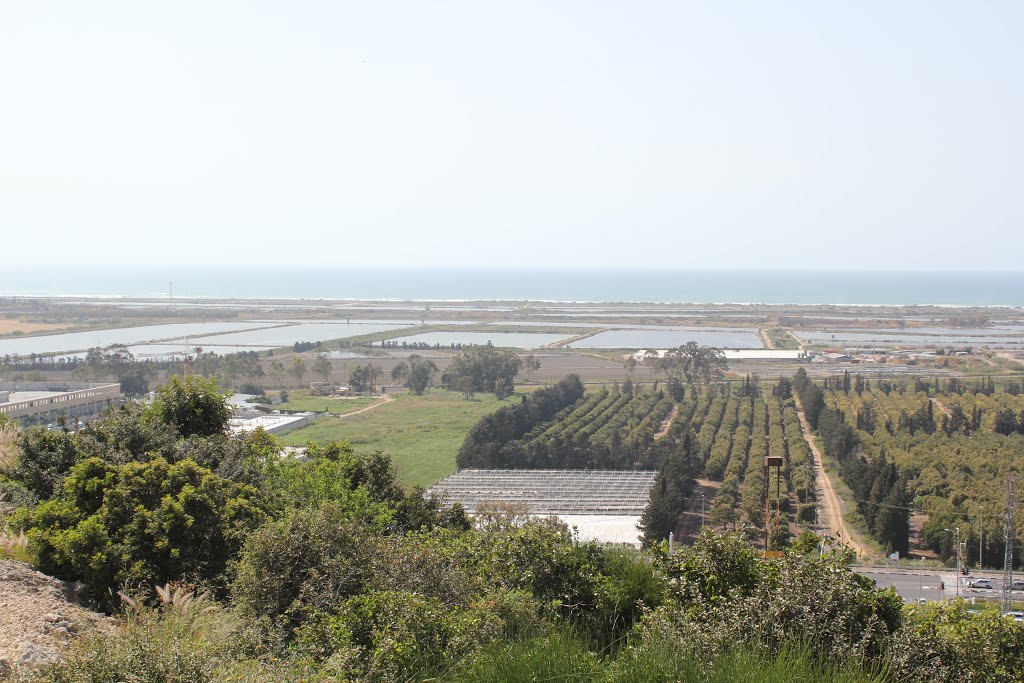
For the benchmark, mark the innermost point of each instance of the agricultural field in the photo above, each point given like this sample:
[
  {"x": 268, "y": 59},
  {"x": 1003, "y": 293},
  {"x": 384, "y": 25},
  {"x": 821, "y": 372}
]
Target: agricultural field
[
  {"x": 733, "y": 428},
  {"x": 607, "y": 428},
  {"x": 954, "y": 444},
  {"x": 736, "y": 429},
  {"x": 420, "y": 433}
]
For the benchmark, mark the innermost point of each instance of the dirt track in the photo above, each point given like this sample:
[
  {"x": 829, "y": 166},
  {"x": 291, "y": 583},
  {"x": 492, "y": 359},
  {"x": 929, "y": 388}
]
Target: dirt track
[
  {"x": 667, "y": 423},
  {"x": 945, "y": 411},
  {"x": 830, "y": 505},
  {"x": 388, "y": 398}
]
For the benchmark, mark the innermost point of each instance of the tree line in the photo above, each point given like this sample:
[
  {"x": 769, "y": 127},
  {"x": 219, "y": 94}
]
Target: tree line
[
  {"x": 487, "y": 443},
  {"x": 879, "y": 487}
]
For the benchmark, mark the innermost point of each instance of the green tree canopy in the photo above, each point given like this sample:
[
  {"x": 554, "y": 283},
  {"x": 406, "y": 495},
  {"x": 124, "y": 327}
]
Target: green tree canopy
[
  {"x": 692, "y": 363},
  {"x": 363, "y": 378},
  {"x": 481, "y": 369},
  {"x": 112, "y": 526},
  {"x": 322, "y": 365},
  {"x": 194, "y": 406},
  {"x": 415, "y": 373}
]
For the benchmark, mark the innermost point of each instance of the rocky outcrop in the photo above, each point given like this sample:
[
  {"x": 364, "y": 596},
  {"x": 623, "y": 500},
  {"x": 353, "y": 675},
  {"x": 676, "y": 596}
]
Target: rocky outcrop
[{"x": 39, "y": 617}]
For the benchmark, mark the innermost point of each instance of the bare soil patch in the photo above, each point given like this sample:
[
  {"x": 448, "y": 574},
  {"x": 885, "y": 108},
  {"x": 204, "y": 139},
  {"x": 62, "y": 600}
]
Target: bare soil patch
[
  {"x": 9, "y": 326},
  {"x": 38, "y": 619},
  {"x": 667, "y": 423},
  {"x": 938, "y": 404}
]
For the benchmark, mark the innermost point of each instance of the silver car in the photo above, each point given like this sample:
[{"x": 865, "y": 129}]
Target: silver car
[{"x": 981, "y": 583}]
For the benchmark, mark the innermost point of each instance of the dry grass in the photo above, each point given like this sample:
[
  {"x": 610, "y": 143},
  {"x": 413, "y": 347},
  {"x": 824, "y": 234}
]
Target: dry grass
[
  {"x": 13, "y": 545},
  {"x": 9, "y": 326},
  {"x": 8, "y": 444}
]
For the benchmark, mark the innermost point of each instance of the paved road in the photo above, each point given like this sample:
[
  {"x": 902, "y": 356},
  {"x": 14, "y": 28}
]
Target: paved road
[{"x": 913, "y": 584}]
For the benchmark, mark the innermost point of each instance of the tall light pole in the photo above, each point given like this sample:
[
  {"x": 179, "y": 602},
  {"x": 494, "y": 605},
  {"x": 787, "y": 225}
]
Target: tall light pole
[
  {"x": 957, "y": 529},
  {"x": 702, "y": 511},
  {"x": 981, "y": 538}
]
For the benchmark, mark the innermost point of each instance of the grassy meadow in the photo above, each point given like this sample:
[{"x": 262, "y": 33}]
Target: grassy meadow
[
  {"x": 422, "y": 434},
  {"x": 303, "y": 400}
]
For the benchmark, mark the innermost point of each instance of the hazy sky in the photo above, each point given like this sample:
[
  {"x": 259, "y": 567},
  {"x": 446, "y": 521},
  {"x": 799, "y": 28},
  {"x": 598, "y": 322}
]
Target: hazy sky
[{"x": 670, "y": 134}]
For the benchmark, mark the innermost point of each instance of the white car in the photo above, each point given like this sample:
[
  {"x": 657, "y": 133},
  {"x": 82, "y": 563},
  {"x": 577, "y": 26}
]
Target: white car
[
  {"x": 981, "y": 583},
  {"x": 1016, "y": 616}
]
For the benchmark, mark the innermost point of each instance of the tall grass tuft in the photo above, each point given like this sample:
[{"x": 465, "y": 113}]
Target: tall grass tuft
[
  {"x": 558, "y": 657},
  {"x": 14, "y": 544},
  {"x": 184, "y": 639},
  {"x": 565, "y": 658},
  {"x": 8, "y": 445}
]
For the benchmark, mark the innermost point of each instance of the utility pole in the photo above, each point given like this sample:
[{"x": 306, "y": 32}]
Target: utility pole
[
  {"x": 702, "y": 511},
  {"x": 1007, "y": 598},
  {"x": 981, "y": 538}
]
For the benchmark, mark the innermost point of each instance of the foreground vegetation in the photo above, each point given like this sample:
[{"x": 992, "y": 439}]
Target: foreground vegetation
[{"x": 226, "y": 561}]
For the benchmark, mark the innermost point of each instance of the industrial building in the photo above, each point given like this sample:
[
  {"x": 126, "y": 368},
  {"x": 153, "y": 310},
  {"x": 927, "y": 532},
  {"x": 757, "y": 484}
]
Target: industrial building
[
  {"x": 45, "y": 401},
  {"x": 603, "y": 505}
]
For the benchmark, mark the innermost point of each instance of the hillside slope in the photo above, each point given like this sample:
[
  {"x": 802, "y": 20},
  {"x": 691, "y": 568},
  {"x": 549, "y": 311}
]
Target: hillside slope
[{"x": 37, "y": 617}]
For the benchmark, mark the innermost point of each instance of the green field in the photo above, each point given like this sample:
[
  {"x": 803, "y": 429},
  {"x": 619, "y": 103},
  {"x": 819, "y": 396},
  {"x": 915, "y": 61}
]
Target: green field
[
  {"x": 421, "y": 433},
  {"x": 302, "y": 400}
]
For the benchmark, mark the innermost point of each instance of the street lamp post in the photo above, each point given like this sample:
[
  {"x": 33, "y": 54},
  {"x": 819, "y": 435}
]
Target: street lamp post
[{"x": 702, "y": 511}]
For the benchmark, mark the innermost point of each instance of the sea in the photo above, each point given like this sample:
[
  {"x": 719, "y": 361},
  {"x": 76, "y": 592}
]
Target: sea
[{"x": 840, "y": 287}]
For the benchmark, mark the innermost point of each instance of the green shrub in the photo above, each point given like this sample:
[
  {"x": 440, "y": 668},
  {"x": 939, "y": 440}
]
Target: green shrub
[
  {"x": 394, "y": 635},
  {"x": 141, "y": 523},
  {"x": 363, "y": 484},
  {"x": 945, "y": 642},
  {"x": 303, "y": 565},
  {"x": 44, "y": 458},
  {"x": 628, "y": 585},
  {"x": 726, "y": 594}
]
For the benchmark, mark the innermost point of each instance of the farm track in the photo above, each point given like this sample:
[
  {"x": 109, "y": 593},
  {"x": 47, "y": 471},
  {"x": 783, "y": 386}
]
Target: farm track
[
  {"x": 832, "y": 510},
  {"x": 667, "y": 423},
  {"x": 387, "y": 399},
  {"x": 690, "y": 521},
  {"x": 941, "y": 406}
]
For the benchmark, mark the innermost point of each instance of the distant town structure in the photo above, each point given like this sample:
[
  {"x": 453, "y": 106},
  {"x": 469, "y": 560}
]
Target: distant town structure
[
  {"x": 247, "y": 417},
  {"x": 738, "y": 354},
  {"x": 45, "y": 401}
]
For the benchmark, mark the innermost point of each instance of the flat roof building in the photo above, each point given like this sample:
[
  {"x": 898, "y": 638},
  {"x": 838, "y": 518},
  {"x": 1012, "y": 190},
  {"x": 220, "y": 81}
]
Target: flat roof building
[{"x": 45, "y": 401}]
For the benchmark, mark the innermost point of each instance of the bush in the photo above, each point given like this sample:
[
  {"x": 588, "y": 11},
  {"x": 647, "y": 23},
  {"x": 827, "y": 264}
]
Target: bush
[
  {"x": 392, "y": 635},
  {"x": 44, "y": 459},
  {"x": 141, "y": 523},
  {"x": 944, "y": 642},
  {"x": 726, "y": 594},
  {"x": 305, "y": 564}
]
